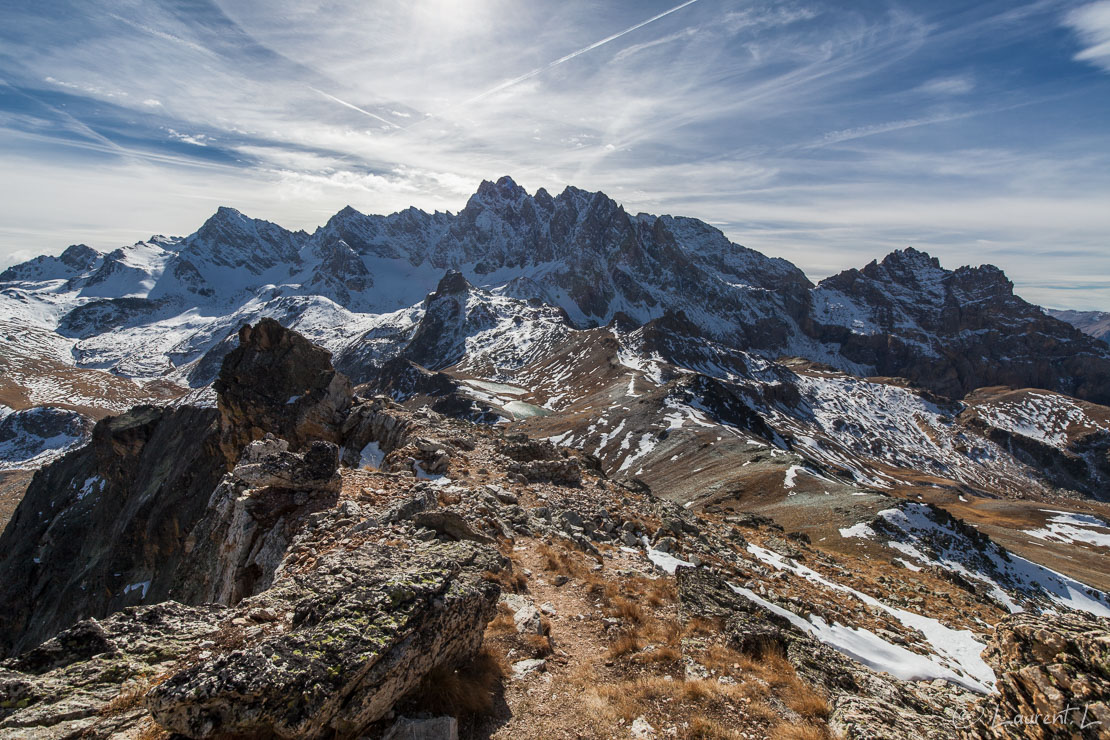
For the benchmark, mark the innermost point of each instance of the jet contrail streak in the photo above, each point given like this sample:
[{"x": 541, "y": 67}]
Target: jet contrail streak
[
  {"x": 573, "y": 54},
  {"x": 354, "y": 107}
]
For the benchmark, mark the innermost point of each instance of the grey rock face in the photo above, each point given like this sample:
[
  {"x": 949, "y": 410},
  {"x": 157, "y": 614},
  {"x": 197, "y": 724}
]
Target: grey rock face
[
  {"x": 101, "y": 529},
  {"x": 236, "y": 548}
]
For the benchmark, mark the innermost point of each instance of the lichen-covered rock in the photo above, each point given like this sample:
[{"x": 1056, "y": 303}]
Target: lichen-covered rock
[
  {"x": 1053, "y": 678},
  {"x": 367, "y": 626},
  {"x": 86, "y": 681}
]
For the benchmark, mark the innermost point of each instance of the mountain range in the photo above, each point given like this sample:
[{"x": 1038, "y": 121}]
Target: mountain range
[{"x": 210, "y": 416}]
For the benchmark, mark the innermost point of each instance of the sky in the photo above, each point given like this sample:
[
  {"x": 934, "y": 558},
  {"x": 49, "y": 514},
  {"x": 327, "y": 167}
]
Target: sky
[{"x": 826, "y": 133}]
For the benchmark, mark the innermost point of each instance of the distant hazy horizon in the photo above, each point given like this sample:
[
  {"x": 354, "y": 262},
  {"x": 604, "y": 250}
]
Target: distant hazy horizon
[{"x": 826, "y": 134}]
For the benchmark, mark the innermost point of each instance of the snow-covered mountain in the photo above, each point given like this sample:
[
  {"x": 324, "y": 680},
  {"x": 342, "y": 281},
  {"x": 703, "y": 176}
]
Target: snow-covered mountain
[
  {"x": 506, "y": 289},
  {"x": 154, "y": 308},
  {"x": 1095, "y": 323}
]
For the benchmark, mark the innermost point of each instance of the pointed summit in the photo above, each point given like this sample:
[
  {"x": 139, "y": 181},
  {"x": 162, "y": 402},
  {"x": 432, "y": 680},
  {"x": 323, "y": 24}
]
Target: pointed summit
[{"x": 452, "y": 283}]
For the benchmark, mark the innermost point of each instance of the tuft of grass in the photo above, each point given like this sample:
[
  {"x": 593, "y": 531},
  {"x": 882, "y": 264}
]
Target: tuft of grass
[
  {"x": 807, "y": 702},
  {"x": 799, "y": 731},
  {"x": 625, "y": 644},
  {"x": 509, "y": 580},
  {"x": 539, "y": 645},
  {"x": 704, "y": 728},
  {"x": 151, "y": 730},
  {"x": 664, "y": 654},
  {"x": 627, "y": 610},
  {"x": 131, "y": 695},
  {"x": 702, "y": 627}
]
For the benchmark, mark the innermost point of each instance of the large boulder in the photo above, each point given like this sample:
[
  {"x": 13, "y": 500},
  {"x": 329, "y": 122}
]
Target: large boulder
[
  {"x": 278, "y": 382},
  {"x": 366, "y": 627}
]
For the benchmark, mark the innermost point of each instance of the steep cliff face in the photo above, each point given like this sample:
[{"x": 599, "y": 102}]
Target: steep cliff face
[
  {"x": 102, "y": 528},
  {"x": 953, "y": 331},
  {"x": 112, "y": 524}
]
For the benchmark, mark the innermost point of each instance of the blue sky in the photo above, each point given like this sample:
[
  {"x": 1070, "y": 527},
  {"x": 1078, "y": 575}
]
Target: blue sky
[{"x": 826, "y": 133}]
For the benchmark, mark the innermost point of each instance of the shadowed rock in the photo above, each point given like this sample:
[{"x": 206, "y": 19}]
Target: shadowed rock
[{"x": 278, "y": 382}]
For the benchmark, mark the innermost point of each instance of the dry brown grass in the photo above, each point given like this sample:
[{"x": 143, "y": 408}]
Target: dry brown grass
[
  {"x": 503, "y": 623},
  {"x": 664, "y": 654},
  {"x": 131, "y": 694},
  {"x": 627, "y": 610},
  {"x": 800, "y": 731},
  {"x": 721, "y": 659},
  {"x": 467, "y": 691},
  {"x": 702, "y": 728},
  {"x": 624, "y": 644},
  {"x": 702, "y": 627},
  {"x": 127, "y": 699},
  {"x": 510, "y": 580},
  {"x": 807, "y": 702},
  {"x": 151, "y": 730},
  {"x": 558, "y": 560},
  {"x": 539, "y": 645}
]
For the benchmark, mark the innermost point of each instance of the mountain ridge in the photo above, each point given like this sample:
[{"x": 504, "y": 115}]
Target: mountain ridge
[{"x": 581, "y": 253}]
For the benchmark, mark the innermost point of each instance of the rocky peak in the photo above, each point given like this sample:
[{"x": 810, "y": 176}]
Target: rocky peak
[
  {"x": 229, "y": 238},
  {"x": 452, "y": 283},
  {"x": 276, "y": 381},
  {"x": 505, "y": 189},
  {"x": 79, "y": 256},
  {"x": 74, "y": 261}
]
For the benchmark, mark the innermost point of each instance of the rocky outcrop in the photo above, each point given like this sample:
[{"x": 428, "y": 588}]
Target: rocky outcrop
[
  {"x": 540, "y": 460},
  {"x": 1053, "y": 678},
  {"x": 88, "y": 681},
  {"x": 115, "y": 523},
  {"x": 319, "y": 614},
  {"x": 323, "y": 654},
  {"x": 374, "y": 421},
  {"x": 236, "y": 548},
  {"x": 277, "y": 382},
  {"x": 362, "y": 632}
]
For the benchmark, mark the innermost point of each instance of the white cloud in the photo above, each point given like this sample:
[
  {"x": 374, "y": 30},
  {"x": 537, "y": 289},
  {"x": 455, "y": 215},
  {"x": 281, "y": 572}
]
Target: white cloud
[
  {"x": 955, "y": 85},
  {"x": 1092, "y": 24},
  {"x": 766, "y": 118}
]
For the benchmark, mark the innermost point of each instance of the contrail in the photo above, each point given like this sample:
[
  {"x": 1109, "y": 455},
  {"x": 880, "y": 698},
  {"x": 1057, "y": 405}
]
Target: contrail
[
  {"x": 573, "y": 54},
  {"x": 355, "y": 107}
]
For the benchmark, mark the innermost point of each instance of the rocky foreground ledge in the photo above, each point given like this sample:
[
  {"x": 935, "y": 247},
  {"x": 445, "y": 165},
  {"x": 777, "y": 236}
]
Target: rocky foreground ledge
[{"x": 303, "y": 562}]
